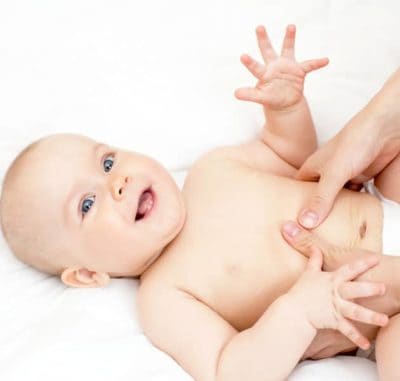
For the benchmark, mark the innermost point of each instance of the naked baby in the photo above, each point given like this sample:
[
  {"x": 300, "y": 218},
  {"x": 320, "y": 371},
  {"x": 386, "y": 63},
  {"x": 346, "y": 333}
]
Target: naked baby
[{"x": 220, "y": 289}]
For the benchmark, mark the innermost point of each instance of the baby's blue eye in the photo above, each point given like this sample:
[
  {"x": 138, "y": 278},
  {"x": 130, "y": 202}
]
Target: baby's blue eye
[
  {"x": 89, "y": 201},
  {"x": 108, "y": 163},
  {"x": 86, "y": 204}
]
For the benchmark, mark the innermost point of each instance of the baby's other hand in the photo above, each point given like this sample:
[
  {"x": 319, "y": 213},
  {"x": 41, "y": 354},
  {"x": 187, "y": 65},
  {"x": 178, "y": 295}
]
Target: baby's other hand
[
  {"x": 281, "y": 78},
  {"x": 327, "y": 298}
]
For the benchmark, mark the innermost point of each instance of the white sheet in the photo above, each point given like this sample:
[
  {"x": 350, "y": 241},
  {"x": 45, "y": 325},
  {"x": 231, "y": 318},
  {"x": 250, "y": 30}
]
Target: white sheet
[{"x": 156, "y": 77}]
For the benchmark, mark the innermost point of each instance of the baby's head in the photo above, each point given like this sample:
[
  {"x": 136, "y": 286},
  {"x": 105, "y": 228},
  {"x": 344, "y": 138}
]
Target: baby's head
[{"x": 69, "y": 206}]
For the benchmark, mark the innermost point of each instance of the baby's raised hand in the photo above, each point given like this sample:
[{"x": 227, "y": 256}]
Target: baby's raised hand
[
  {"x": 326, "y": 298},
  {"x": 281, "y": 78}
]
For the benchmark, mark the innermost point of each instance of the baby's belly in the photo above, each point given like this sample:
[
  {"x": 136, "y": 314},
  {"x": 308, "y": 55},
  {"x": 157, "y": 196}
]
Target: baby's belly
[
  {"x": 231, "y": 255},
  {"x": 356, "y": 222},
  {"x": 270, "y": 268}
]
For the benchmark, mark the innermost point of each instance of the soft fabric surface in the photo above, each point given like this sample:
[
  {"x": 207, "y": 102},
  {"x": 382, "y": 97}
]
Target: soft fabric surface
[{"x": 157, "y": 77}]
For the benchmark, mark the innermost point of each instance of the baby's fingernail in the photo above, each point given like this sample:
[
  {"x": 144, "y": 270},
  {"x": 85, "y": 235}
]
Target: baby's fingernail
[
  {"x": 309, "y": 219},
  {"x": 384, "y": 320},
  {"x": 365, "y": 345},
  {"x": 291, "y": 229}
]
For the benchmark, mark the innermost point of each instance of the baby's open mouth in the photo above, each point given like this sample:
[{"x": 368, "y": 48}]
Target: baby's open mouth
[{"x": 145, "y": 204}]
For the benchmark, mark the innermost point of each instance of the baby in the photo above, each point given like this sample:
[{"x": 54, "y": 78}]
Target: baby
[{"x": 214, "y": 269}]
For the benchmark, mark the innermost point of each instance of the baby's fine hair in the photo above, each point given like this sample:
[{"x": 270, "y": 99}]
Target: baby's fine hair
[{"x": 24, "y": 241}]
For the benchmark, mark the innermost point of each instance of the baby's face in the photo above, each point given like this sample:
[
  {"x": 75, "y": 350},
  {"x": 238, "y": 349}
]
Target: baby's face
[{"x": 92, "y": 194}]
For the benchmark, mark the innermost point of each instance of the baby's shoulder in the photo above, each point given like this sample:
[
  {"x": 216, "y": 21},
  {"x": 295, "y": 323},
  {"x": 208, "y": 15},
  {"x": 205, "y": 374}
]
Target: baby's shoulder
[
  {"x": 157, "y": 293},
  {"x": 254, "y": 155}
]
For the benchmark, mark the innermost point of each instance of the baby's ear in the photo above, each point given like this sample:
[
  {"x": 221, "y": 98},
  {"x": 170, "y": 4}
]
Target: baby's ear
[{"x": 81, "y": 277}]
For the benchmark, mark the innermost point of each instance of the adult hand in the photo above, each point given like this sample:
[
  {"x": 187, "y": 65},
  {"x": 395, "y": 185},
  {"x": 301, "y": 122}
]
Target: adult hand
[
  {"x": 334, "y": 256},
  {"x": 360, "y": 151}
]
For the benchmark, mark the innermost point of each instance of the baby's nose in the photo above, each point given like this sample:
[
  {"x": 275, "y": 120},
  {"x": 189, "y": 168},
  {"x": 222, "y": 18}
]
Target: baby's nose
[{"x": 119, "y": 186}]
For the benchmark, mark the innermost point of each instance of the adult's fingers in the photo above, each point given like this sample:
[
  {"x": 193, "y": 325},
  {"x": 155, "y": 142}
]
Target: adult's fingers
[
  {"x": 300, "y": 239},
  {"x": 320, "y": 203}
]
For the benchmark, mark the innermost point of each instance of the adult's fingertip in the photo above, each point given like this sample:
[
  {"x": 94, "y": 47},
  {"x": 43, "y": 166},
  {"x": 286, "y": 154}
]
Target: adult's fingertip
[
  {"x": 290, "y": 229},
  {"x": 308, "y": 219}
]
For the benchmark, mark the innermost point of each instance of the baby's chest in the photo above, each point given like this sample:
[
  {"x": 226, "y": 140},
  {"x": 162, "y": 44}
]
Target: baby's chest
[{"x": 230, "y": 254}]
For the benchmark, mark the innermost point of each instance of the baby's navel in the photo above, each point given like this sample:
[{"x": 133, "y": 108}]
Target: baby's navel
[{"x": 363, "y": 229}]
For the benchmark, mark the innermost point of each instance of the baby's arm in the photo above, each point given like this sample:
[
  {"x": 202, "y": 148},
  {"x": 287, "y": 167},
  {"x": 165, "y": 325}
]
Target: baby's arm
[
  {"x": 210, "y": 349},
  {"x": 289, "y": 128}
]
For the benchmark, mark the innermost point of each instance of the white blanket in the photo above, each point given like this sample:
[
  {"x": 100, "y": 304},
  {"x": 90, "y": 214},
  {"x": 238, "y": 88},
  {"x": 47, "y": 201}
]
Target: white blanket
[{"x": 156, "y": 77}]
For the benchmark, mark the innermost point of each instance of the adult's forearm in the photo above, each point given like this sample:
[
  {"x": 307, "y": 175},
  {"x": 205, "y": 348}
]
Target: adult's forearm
[{"x": 385, "y": 107}]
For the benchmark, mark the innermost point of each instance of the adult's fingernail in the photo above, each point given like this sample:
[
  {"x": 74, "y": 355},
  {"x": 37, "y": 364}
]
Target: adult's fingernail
[
  {"x": 309, "y": 219},
  {"x": 291, "y": 229}
]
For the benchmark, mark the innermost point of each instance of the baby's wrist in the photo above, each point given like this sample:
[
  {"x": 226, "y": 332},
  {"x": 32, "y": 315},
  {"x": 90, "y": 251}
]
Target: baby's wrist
[
  {"x": 298, "y": 309},
  {"x": 294, "y": 107}
]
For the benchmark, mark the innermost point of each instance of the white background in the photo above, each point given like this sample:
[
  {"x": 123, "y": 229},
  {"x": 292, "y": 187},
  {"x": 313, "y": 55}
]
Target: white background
[{"x": 156, "y": 77}]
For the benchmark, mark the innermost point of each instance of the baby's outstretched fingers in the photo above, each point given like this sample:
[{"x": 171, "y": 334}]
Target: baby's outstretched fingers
[
  {"x": 288, "y": 42},
  {"x": 255, "y": 68},
  {"x": 354, "y": 269},
  {"x": 353, "y": 334},
  {"x": 354, "y": 290},
  {"x": 359, "y": 313},
  {"x": 314, "y": 64},
  {"x": 251, "y": 94},
  {"x": 267, "y": 51}
]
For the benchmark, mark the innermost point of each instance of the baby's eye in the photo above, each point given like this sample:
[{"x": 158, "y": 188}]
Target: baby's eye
[
  {"x": 86, "y": 204},
  {"x": 108, "y": 163}
]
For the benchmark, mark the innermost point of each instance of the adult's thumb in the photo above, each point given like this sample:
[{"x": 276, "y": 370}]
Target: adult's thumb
[
  {"x": 318, "y": 206},
  {"x": 300, "y": 239}
]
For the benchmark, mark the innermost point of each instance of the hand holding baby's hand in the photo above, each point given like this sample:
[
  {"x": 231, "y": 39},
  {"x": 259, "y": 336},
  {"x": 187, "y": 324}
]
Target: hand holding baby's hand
[
  {"x": 281, "y": 78},
  {"x": 326, "y": 298}
]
